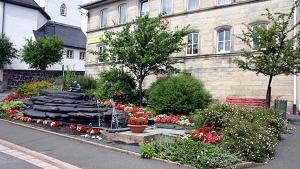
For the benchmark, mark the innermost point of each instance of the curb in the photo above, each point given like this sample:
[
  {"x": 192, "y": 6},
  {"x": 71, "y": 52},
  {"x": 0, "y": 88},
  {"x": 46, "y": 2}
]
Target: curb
[
  {"x": 238, "y": 166},
  {"x": 37, "y": 155}
]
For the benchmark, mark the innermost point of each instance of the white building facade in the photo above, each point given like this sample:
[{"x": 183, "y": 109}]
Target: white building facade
[{"x": 19, "y": 19}]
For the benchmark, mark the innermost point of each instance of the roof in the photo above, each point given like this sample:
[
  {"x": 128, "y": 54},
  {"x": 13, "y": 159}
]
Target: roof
[
  {"x": 72, "y": 36},
  {"x": 95, "y": 3},
  {"x": 28, "y": 4}
]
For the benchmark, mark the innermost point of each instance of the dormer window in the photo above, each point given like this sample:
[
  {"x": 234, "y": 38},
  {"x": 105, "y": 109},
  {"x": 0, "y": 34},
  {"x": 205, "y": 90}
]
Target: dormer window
[{"x": 63, "y": 10}]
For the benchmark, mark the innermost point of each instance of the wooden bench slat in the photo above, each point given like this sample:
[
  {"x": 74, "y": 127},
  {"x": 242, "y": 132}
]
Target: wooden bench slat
[{"x": 246, "y": 102}]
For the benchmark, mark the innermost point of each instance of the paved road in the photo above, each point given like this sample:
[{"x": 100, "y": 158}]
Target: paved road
[
  {"x": 288, "y": 153},
  {"x": 74, "y": 152},
  {"x": 10, "y": 162}
]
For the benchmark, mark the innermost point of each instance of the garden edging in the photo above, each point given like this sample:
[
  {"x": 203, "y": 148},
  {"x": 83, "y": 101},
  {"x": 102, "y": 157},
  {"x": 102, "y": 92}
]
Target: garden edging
[{"x": 243, "y": 165}]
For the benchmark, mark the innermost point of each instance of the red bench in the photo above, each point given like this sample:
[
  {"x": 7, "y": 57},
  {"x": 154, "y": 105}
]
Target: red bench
[{"x": 247, "y": 102}]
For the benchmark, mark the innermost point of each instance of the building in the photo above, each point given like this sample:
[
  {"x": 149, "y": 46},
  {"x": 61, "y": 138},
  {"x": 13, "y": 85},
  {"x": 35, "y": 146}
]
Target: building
[
  {"x": 26, "y": 19},
  {"x": 211, "y": 48}
]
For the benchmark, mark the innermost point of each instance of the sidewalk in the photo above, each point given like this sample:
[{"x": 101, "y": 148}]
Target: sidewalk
[
  {"x": 288, "y": 151},
  {"x": 74, "y": 152}
]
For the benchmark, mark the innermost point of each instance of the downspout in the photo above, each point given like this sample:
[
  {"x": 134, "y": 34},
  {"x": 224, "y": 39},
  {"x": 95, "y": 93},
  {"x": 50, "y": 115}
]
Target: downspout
[
  {"x": 3, "y": 18},
  {"x": 295, "y": 75}
]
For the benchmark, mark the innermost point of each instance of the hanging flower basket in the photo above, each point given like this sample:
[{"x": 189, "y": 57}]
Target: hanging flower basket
[{"x": 137, "y": 128}]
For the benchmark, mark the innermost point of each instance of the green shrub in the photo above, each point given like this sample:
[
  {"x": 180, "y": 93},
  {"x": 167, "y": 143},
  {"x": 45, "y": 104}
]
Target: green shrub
[
  {"x": 251, "y": 133},
  {"x": 116, "y": 83},
  {"x": 7, "y": 105},
  {"x": 179, "y": 94},
  {"x": 86, "y": 82},
  {"x": 252, "y": 141},
  {"x": 191, "y": 152},
  {"x": 33, "y": 88}
]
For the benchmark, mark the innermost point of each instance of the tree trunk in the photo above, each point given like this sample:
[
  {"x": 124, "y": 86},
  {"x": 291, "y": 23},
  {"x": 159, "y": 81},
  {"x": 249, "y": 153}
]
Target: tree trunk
[
  {"x": 141, "y": 91},
  {"x": 269, "y": 90}
]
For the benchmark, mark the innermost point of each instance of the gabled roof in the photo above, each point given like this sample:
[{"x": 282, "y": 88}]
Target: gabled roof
[
  {"x": 28, "y": 4},
  {"x": 72, "y": 36}
]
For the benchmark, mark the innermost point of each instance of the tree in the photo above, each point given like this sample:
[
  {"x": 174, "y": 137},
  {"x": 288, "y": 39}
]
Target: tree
[
  {"x": 43, "y": 52},
  {"x": 275, "y": 53},
  {"x": 144, "y": 47},
  {"x": 7, "y": 51}
]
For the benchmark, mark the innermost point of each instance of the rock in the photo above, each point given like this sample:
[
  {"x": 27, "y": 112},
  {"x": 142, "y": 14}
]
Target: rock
[
  {"x": 56, "y": 115},
  {"x": 67, "y": 109},
  {"x": 27, "y": 102},
  {"x": 34, "y": 114},
  {"x": 45, "y": 108},
  {"x": 90, "y": 110}
]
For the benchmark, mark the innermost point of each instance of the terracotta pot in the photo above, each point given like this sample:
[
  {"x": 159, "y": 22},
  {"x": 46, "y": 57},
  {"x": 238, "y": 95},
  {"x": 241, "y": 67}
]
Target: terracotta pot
[{"x": 137, "y": 128}]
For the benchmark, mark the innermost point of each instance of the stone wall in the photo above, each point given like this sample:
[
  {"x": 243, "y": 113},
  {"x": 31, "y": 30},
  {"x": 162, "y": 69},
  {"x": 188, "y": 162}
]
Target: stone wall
[{"x": 15, "y": 78}]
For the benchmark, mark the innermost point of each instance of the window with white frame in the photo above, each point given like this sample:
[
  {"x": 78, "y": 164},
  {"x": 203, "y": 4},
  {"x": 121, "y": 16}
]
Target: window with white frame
[
  {"x": 122, "y": 13},
  {"x": 224, "y": 2},
  {"x": 63, "y": 10},
  {"x": 103, "y": 18},
  {"x": 82, "y": 56},
  {"x": 257, "y": 27},
  {"x": 192, "y": 4},
  {"x": 167, "y": 7},
  {"x": 192, "y": 44},
  {"x": 224, "y": 40},
  {"x": 70, "y": 54},
  {"x": 100, "y": 49},
  {"x": 144, "y": 7}
]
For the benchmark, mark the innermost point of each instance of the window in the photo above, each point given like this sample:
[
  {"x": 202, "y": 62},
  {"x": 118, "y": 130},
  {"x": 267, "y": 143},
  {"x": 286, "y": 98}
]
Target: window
[
  {"x": 103, "y": 18},
  {"x": 167, "y": 6},
  {"x": 192, "y": 4},
  {"x": 69, "y": 54},
  {"x": 122, "y": 13},
  {"x": 100, "y": 49},
  {"x": 256, "y": 27},
  {"x": 63, "y": 10},
  {"x": 192, "y": 44},
  {"x": 224, "y": 2},
  {"x": 144, "y": 7},
  {"x": 224, "y": 40},
  {"x": 82, "y": 56}
]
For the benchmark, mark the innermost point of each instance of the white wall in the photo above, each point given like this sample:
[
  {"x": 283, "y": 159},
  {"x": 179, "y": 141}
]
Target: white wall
[
  {"x": 73, "y": 16},
  {"x": 71, "y": 64},
  {"x": 19, "y": 25}
]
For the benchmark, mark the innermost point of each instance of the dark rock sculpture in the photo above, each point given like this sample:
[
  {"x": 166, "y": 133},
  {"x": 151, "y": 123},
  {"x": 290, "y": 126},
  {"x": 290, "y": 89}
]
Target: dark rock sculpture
[{"x": 71, "y": 107}]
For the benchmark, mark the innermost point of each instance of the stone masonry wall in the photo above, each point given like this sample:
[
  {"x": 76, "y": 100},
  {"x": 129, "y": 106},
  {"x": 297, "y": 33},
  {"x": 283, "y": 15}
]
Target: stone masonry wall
[{"x": 15, "y": 78}]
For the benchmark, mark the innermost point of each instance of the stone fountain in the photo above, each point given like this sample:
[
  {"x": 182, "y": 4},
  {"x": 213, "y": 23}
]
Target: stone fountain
[{"x": 74, "y": 107}]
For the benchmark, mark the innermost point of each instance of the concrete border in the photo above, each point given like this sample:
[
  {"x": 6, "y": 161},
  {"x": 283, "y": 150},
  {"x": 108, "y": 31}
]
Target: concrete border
[{"x": 243, "y": 165}]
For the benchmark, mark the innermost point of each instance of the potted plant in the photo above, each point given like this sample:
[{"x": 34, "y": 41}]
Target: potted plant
[{"x": 137, "y": 124}]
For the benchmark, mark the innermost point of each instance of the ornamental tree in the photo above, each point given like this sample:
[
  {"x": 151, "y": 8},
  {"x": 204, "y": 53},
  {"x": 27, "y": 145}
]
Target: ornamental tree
[
  {"x": 43, "y": 52},
  {"x": 7, "y": 51},
  {"x": 144, "y": 47},
  {"x": 276, "y": 48}
]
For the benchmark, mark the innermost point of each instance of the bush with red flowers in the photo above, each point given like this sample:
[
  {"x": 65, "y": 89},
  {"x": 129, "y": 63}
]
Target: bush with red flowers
[
  {"x": 208, "y": 135},
  {"x": 139, "y": 118}
]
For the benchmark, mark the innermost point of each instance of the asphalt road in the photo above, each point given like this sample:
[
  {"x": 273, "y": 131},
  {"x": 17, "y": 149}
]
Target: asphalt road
[
  {"x": 10, "y": 162},
  {"x": 74, "y": 152},
  {"x": 288, "y": 151}
]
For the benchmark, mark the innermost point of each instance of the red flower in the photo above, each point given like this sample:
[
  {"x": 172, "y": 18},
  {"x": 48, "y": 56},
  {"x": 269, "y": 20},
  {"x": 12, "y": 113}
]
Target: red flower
[
  {"x": 157, "y": 120},
  {"x": 72, "y": 127}
]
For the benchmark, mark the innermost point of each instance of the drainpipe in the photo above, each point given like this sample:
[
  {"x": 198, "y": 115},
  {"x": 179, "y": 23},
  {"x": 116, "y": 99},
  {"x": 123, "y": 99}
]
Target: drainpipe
[
  {"x": 295, "y": 75},
  {"x": 3, "y": 18}
]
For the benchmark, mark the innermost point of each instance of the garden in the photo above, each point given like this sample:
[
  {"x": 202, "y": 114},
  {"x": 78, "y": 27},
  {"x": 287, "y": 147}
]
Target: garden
[{"x": 190, "y": 127}]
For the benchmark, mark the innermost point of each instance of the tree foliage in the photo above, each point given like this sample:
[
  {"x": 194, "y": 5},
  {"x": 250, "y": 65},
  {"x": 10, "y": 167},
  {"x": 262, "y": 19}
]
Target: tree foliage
[
  {"x": 42, "y": 53},
  {"x": 275, "y": 53},
  {"x": 144, "y": 47},
  {"x": 7, "y": 51}
]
